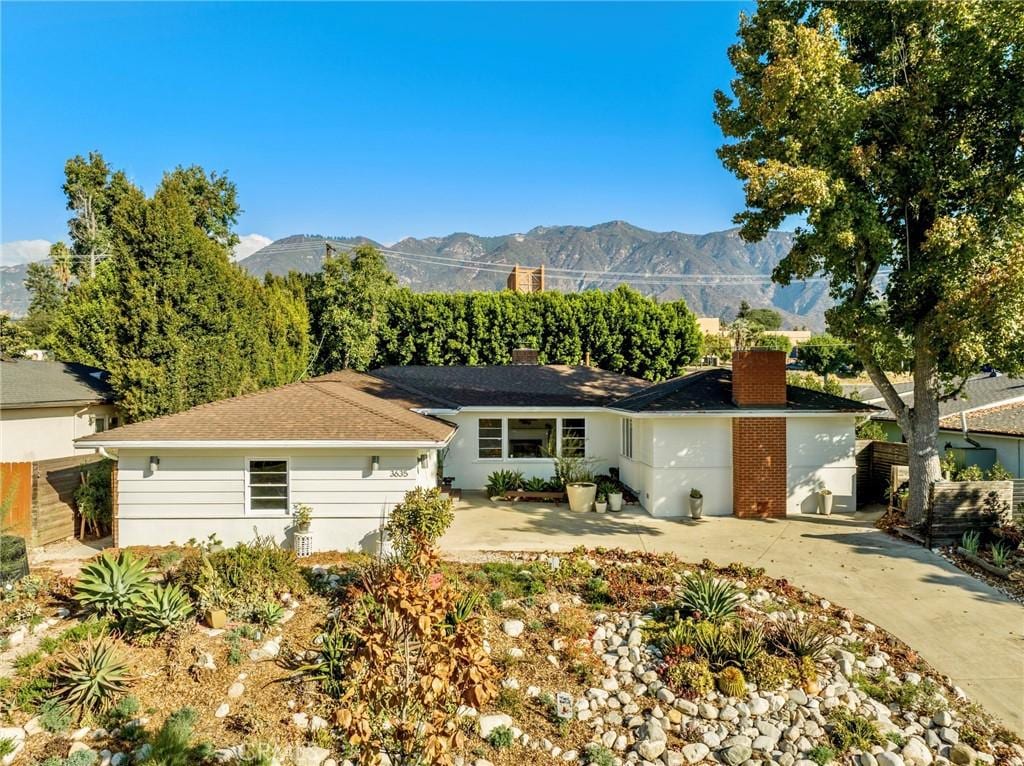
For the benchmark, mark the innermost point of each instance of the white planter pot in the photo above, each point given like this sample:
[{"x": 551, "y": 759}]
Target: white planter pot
[
  {"x": 825, "y": 503},
  {"x": 601, "y": 507},
  {"x": 581, "y": 495},
  {"x": 614, "y": 501},
  {"x": 696, "y": 507}
]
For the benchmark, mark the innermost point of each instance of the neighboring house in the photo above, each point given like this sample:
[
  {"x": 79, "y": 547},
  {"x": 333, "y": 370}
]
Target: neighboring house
[
  {"x": 350, "y": 445},
  {"x": 988, "y": 414},
  {"x": 45, "y": 406}
]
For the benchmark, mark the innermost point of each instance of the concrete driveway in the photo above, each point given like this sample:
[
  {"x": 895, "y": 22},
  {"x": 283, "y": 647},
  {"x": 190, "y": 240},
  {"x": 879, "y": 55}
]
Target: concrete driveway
[{"x": 960, "y": 625}]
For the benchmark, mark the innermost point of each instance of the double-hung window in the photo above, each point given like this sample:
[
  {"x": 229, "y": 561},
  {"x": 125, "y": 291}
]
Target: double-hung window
[
  {"x": 490, "y": 438},
  {"x": 574, "y": 437},
  {"x": 627, "y": 438},
  {"x": 267, "y": 485}
]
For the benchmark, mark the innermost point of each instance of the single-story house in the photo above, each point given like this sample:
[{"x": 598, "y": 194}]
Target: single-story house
[
  {"x": 45, "y": 406},
  {"x": 984, "y": 423},
  {"x": 350, "y": 445}
]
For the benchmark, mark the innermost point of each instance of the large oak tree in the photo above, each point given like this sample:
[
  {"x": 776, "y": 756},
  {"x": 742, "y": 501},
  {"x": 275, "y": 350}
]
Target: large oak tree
[{"x": 895, "y": 130}]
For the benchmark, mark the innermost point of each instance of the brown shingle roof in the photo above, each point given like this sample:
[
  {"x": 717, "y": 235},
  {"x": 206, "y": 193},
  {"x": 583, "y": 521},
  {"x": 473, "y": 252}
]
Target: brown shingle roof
[
  {"x": 1006, "y": 420},
  {"x": 332, "y": 408}
]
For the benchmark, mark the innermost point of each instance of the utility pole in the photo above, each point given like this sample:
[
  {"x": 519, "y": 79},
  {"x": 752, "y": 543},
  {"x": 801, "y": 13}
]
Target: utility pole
[{"x": 328, "y": 249}]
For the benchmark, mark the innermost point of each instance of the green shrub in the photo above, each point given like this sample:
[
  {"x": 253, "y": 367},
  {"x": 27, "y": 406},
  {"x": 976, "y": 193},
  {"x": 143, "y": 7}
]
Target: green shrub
[
  {"x": 54, "y": 716},
  {"x": 708, "y": 598},
  {"x": 92, "y": 498},
  {"x": 241, "y": 578},
  {"x": 598, "y": 755},
  {"x": 848, "y": 730},
  {"x": 77, "y": 758},
  {"x": 770, "y": 672},
  {"x": 515, "y": 581},
  {"x": 89, "y": 679},
  {"x": 162, "y": 608},
  {"x": 120, "y": 713},
  {"x": 113, "y": 587},
  {"x": 500, "y": 482},
  {"x": 690, "y": 675},
  {"x": 419, "y": 520},
  {"x": 172, "y": 745},
  {"x": 509, "y": 701},
  {"x": 999, "y": 473},
  {"x": 970, "y": 473},
  {"x": 500, "y": 738},
  {"x": 821, "y": 755}
]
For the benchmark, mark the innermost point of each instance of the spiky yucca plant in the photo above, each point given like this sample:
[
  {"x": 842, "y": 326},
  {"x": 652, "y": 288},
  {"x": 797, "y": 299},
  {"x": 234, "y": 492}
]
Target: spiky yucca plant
[
  {"x": 732, "y": 683},
  {"x": 802, "y": 639},
  {"x": 112, "y": 587},
  {"x": 88, "y": 679},
  {"x": 712, "y": 599},
  {"x": 161, "y": 608}
]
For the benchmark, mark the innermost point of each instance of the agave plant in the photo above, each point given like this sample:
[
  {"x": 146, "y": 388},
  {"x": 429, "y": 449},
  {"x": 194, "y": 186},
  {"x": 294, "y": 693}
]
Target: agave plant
[
  {"x": 465, "y": 609},
  {"x": 113, "y": 587},
  {"x": 89, "y": 679},
  {"x": 802, "y": 639},
  {"x": 328, "y": 669},
  {"x": 161, "y": 608},
  {"x": 713, "y": 599},
  {"x": 268, "y": 613},
  {"x": 745, "y": 643}
]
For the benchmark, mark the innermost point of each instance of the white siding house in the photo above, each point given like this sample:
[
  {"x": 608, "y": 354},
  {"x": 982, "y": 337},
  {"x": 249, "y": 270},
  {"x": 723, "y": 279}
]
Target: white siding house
[{"x": 45, "y": 406}]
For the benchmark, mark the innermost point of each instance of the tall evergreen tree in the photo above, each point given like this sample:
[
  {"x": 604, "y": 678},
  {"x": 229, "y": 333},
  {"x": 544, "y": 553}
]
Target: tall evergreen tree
[{"x": 167, "y": 313}]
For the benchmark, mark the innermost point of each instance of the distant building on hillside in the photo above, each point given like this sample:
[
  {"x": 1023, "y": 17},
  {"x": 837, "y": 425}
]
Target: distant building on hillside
[{"x": 526, "y": 280}]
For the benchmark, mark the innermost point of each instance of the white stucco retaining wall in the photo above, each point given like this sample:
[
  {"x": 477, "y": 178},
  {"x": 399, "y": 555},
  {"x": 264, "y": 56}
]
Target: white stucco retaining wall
[
  {"x": 194, "y": 493},
  {"x": 471, "y": 471}
]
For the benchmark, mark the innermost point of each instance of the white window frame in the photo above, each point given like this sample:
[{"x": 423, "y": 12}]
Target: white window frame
[
  {"x": 626, "y": 447},
  {"x": 558, "y": 437},
  {"x": 502, "y": 446},
  {"x": 249, "y": 510}
]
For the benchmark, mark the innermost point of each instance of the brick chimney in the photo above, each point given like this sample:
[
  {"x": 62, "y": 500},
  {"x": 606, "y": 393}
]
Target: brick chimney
[
  {"x": 759, "y": 378},
  {"x": 759, "y": 483},
  {"x": 525, "y": 356}
]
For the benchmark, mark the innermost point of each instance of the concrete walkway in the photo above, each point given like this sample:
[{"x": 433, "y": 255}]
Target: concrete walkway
[{"x": 961, "y": 626}]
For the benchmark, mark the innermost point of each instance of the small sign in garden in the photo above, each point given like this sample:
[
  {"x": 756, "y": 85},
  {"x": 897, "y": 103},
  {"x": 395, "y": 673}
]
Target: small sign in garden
[{"x": 563, "y": 705}]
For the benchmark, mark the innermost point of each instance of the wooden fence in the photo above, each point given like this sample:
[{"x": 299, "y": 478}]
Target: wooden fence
[
  {"x": 959, "y": 506},
  {"x": 43, "y": 497},
  {"x": 874, "y": 466},
  {"x": 16, "y": 496}
]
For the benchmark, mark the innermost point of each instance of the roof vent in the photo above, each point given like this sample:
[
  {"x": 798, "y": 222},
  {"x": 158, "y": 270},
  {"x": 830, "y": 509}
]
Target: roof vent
[{"x": 525, "y": 356}]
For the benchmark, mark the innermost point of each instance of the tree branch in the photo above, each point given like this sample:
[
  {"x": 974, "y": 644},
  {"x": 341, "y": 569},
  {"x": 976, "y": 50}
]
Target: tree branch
[{"x": 885, "y": 387}]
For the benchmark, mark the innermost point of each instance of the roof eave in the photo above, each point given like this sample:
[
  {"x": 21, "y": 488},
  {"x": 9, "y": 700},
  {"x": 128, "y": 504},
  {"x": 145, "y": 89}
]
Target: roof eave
[
  {"x": 52, "y": 404},
  {"x": 90, "y": 442}
]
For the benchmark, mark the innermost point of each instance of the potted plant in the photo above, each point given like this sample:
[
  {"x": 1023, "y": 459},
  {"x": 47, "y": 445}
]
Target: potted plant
[
  {"x": 696, "y": 499},
  {"x": 582, "y": 494},
  {"x": 614, "y": 498},
  {"x": 601, "y": 502},
  {"x": 825, "y": 502},
  {"x": 301, "y": 518}
]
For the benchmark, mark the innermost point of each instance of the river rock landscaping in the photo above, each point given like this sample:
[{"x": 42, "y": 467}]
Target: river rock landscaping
[{"x": 597, "y": 657}]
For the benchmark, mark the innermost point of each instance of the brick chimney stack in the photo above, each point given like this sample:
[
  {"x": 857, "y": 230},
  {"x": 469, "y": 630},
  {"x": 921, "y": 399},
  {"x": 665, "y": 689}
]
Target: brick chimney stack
[{"x": 759, "y": 378}]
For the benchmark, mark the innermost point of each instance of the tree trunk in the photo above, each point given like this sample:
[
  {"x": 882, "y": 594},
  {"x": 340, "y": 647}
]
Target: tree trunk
[{"x": 922, "y": 431}]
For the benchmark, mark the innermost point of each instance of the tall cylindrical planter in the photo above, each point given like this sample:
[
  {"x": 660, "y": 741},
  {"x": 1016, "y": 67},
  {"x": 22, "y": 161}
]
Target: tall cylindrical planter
[
  {"x": 581, "y": 495},
  {"x": 825, "y": 503},
  {"x": 696, "y": 507},
  {"x": 614, "y": 501}
]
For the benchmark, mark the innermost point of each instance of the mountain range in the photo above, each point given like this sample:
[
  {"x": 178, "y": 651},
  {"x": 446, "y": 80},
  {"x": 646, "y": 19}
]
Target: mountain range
[{"x": 662, "y": 264}]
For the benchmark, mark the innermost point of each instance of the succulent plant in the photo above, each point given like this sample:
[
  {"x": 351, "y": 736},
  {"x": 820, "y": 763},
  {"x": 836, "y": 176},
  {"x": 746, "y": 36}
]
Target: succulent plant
[
  {"x": 268, "y": 613},
  {"x": 161, "y": 608},
  {"x": 113, "y": 587},
  {"x": 713, "y": 599},
  {"x": 88, "y": 679},
  {"x": 802, "y": 639},
  {"x": 732, "y": 683}
]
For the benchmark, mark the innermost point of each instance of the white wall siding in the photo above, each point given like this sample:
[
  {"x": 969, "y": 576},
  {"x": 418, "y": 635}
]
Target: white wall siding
[
  {"x": 820, "y": 454},
  {"x": 471, "y": 472},
  {"x": 194, "y": 493},
  {"x": 690, "y": 452}
]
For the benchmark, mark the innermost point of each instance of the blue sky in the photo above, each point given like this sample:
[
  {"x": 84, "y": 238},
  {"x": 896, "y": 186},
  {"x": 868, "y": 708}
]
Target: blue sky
[{"x": 385, "y": 120}]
